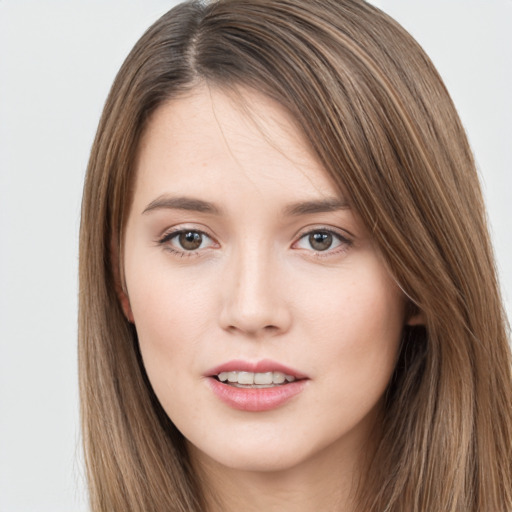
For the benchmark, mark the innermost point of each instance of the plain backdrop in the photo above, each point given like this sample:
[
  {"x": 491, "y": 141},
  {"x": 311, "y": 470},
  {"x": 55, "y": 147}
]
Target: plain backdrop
[{"x": 57, "y": 61}]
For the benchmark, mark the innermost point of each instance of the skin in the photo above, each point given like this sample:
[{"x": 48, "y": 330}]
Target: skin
[{"x": 257, "y": 289}]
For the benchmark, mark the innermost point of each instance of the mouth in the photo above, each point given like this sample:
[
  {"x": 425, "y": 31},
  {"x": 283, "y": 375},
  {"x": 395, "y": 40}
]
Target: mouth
[
  {"x": 255, "y": 387},
  {"x": 254, "y": 380}
]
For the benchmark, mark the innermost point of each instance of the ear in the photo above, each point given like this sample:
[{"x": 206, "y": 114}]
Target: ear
[
  {"x": 413, "y": 315},
  {"x": 119, "y": 283},
  {"x": 125, "y": 303}
]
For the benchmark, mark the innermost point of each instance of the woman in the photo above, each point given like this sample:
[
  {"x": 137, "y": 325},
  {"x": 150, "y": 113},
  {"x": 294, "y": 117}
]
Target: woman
[{"x": 288, "y": 297}]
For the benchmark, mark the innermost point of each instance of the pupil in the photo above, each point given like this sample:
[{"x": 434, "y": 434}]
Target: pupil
[
  {"x": 320, "y": 241},
  {"x": 190, "y": 240}
]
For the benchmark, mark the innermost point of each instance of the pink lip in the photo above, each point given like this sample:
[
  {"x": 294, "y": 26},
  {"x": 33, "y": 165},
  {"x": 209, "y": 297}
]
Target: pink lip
[
  {"x": 255, "y": 399},
  {"x": 263, "y": 366}
]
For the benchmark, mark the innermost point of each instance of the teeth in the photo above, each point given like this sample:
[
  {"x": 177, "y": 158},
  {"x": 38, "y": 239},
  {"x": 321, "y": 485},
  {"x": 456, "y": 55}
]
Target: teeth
[
  {"x": 279, "y": 378},
  {"x": 262, "y": 378},
  {"x": 245, "y": 378},
  {"x": 250, "y": 378}
]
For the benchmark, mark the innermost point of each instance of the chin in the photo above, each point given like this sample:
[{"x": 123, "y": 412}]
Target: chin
[{"x": 253, "y": 457}]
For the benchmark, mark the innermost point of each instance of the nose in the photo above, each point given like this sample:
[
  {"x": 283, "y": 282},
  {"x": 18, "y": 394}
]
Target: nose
[{"x": 254, "y": 300}]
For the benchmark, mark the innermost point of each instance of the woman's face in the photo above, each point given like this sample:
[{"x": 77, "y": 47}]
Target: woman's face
[{"x": 243, "y": 263}]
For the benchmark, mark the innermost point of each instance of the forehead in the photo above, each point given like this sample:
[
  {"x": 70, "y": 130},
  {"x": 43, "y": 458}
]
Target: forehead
[{"x": 209, "y": 141}]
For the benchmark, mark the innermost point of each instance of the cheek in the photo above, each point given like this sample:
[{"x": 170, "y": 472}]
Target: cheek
[
  {"x": 357, "y": 327},
  {"x": 170, "y": 322},
  {"x": 366, "y": 305},
  {"x": 172, "y": 312}
]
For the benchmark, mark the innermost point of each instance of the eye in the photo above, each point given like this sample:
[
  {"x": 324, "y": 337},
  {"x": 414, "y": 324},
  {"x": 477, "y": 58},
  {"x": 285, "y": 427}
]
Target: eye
[
  {"x": 190, "y": 240},
  {"x": 321, "y": 240},
  {"x": 186, "y": 241}
]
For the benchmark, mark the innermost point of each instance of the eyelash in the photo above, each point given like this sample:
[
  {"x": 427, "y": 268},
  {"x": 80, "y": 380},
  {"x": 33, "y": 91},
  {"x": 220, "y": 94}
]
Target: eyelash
[
  {"x": 169, "y": 236},
  {"x": 344, "y": 242}
]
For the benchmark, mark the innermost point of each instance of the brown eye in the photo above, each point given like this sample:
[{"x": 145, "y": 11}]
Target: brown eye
[
  {"x": 186, "y": 242},
  {"x": 320, "y": 240},
  {"x": 190, "y": 240}
]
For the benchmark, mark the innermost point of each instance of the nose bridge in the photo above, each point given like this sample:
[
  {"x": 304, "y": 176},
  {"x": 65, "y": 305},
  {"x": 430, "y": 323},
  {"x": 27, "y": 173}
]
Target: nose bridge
[{"x": 254, "y": 302}]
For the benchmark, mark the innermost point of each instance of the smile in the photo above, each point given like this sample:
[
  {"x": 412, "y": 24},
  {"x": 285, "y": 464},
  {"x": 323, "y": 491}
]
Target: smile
[
  {"x": 254, "y": 380},
  {"x": 255, "y": 387}
]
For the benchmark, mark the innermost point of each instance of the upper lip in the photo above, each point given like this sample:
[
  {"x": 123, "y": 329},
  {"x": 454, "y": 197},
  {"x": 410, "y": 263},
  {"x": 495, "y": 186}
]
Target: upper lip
[{"x": 263, "y": 366}]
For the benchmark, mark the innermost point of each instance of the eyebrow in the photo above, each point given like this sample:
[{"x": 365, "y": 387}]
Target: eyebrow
[
  {"x": 311, "y": 207},
  {"x": 198, "y": 205},
  {"x": 182, "y": 203}
]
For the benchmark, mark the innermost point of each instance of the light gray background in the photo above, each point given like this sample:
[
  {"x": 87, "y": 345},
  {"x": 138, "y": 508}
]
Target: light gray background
[{"x": 57, "y": 61}]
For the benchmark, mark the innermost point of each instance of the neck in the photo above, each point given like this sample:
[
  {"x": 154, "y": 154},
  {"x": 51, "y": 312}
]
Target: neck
[{"x": 327, "y": 481}]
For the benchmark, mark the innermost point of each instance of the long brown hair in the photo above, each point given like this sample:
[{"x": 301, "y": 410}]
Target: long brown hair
[{"x": 382, "y": 123}]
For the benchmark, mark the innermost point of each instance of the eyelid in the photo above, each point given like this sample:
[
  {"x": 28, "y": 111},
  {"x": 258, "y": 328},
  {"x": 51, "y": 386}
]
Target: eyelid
[
  {"x": 168, "y": 232},
  {"x": 343, "y": 236},
  {"x": 171, "y": 233},
  {"x": 313, "y": 228}
]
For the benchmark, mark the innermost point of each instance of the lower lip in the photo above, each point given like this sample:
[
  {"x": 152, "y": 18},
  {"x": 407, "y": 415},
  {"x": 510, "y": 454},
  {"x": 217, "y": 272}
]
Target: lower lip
[{"x": 255, "y": 399}]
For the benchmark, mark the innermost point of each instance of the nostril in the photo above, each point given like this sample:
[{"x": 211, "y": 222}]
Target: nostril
[{"x": 253, "y": 330}]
